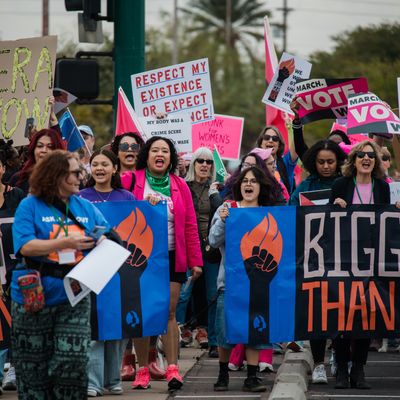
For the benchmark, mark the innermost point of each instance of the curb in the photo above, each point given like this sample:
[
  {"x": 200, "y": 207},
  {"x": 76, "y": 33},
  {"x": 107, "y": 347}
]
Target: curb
[{"x": 291, "y": 382}]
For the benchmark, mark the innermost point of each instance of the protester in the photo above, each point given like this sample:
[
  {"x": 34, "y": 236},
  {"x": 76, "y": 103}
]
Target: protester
[
  {"x": 271, "y": 138},
  {"x": 42, "y": 142},
  {"x": 200, "y": 176},
  {"x": 52, "y": 362},
  {"x": 361, "y": 183},
  {"x": 155, "y": 180},
  {"x": 126, "y": 147},
  {"x": 105, "y": 356},
  {"x": 12, "y": 161},
  {"x": 386, "y": 158},
  {"x": 88, "y": 136}
]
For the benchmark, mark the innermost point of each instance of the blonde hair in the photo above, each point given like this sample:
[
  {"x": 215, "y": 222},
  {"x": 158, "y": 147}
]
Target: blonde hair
[{"x": 349, "y": 168}]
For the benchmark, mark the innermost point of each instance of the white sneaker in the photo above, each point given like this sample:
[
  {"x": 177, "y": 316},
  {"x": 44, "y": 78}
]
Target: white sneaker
[
  {"x": 233, "y": 367},
  {"x": 265, "y": 367},
  {"x": 332, "y": 362},
  {"x": 384, "y": 347},
  {"x": 91, "y": 393},
  {"x": 116, "y": 390},
  {"x": 10, "y": 380},
  {"x": 319, "y": 374}
]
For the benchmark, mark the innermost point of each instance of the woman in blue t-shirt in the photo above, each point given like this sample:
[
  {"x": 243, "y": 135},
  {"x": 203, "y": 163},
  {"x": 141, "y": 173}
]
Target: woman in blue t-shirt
[
  {"x": 51, "y": 231},
  {"x": 105, "y": 355}
]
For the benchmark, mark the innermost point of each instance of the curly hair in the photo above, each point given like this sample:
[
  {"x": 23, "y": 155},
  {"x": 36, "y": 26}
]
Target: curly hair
[
  {"x": 310, "y": 156},
  {"x": 267, "y": 195},
  {"x": 117, "y": 140},
  {"x": 115, "y": 178},
  {"x": 144, "y": 154},
  {"x": 349, "y": 168},
  {"x": 46, "y": 176}
]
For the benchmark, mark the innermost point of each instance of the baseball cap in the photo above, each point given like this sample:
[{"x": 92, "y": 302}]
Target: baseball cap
[{"x": 86, "y": 129}]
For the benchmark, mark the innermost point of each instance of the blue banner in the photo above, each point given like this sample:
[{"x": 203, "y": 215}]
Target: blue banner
[{"x": 135, "y": 303}]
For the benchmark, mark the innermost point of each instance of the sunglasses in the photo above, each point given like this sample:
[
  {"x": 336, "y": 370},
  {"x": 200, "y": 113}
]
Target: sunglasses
[
  {"x": 362, "y": 154},
  {"x": 77, "y": 173},
  {"x": 274, "y": 138},
  {"x": 385, "y": 158},
  {"x": 126, "y": 146},
  {"x": 203, "y": 160}
]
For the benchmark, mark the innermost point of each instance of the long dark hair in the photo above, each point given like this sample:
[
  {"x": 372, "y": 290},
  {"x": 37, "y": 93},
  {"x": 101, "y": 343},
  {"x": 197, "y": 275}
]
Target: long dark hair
[
  {"x": 143, "y": 155},
  {"x": 267, "y": 196},
  {"x": 117, "y": 140},
  {"x": 115, "y": 179},
  {"x": 310, "y": 156}
]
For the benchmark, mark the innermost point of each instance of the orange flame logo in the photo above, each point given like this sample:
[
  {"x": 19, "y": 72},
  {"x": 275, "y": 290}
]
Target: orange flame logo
[
  {"x": 266, "y": 236},
  {"x": 289, "y": 65},
  {"x": 135, "y": 231}
]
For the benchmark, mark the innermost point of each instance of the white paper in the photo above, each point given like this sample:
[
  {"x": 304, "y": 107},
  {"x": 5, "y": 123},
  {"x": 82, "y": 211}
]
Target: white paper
[
  {"x": 281, "y": 89},
  {"x": 394, "y": 192},
  {"x": 176, "y": 127},
  {"x": 95, "y": 270}
]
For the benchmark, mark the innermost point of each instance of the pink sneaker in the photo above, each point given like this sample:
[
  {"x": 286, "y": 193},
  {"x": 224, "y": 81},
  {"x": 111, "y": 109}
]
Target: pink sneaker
[
  {"x": 174, "y": 380},
  {"x": 142, "y": 380}
]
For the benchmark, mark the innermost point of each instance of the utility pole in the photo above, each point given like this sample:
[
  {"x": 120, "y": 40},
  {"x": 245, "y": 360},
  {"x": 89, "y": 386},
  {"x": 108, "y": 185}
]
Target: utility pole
[
  {"x": 45, "y": 17},
  {"x": 175, "y": 45},
  {"x": 285, "y": 11},
  {"x": 228, "y": 23}
]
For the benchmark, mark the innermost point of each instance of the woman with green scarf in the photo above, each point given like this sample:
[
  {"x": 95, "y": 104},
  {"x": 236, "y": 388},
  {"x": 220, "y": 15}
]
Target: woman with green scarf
[{"x": 155, "y": 180}]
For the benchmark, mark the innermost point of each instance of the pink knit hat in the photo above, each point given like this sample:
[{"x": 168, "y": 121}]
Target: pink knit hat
[{"x": 262, "y": 153}]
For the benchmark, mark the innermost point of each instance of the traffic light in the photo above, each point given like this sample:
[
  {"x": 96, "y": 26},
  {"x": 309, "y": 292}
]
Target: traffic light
[{"x": 79, "y": 76}]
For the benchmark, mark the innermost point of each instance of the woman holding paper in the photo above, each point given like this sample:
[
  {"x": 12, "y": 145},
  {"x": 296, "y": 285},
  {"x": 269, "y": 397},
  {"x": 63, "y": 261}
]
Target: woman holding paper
[
  {"x": 50, "y": 338},
  {"x": 105, "y": 355},
  {"x": 155, "y": 181},
  {"x": 361, "y": 183}
]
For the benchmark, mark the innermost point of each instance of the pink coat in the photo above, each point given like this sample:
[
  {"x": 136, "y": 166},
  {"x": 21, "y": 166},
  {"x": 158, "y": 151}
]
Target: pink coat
[{"x": 187, "y": 243}]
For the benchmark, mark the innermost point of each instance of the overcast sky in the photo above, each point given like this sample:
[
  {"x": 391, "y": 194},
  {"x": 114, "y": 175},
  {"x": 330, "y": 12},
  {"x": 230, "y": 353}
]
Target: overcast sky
[{"x": 311, "y": 23}]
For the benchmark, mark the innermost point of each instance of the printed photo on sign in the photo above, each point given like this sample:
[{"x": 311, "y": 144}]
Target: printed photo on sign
[
  {"x": 174, "y": 89},
  {"x": 282, "y": 88},
  {"x": 26, "y": 82}
]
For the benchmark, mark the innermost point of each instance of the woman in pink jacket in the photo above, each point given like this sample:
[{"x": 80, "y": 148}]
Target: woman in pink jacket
[{"x": 155, "y": 180}]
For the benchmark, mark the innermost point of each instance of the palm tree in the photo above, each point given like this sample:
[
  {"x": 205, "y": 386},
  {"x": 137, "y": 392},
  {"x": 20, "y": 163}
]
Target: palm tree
[{"x": 234, "y": 24}]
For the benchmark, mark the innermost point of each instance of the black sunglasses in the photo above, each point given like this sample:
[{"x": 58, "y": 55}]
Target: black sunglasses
[
  {"x": 126, "y": 146},
  {"x": 385, "y": 158},
  {"x": 362, "y": 154},
  {"x": 77, "y": 172},
  {"x": 274, "y": 138},
  {"x": 203, "y": 160}
]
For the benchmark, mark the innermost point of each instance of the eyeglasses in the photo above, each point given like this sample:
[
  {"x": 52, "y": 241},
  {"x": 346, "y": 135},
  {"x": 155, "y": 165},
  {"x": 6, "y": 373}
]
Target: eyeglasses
[
  {"x": 77, "y": 173},
  {"x": 249, "y": 181},
  {"x": 203, "y": 160},
  {"x": 247, "y": 165},
  {"x": 274, "y": 138},
  {"x": 126, "y": 146},
  {"x": 362, "y": 154},
  {"x": 385, "y": 158}
]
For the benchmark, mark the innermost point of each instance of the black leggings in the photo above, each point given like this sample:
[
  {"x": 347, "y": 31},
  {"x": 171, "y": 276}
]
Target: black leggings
[
  {"x": 318, "y": 350},
  {"x": 358, "y": 353}
]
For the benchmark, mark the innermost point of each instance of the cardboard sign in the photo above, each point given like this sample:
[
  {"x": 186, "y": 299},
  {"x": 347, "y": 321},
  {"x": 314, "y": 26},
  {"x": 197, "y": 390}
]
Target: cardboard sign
[
  {"x": 178, "y": 88},
  {"x": 369, "y": 114},
  {"x": 394, "y": 192},
  {"x": 326, "y": 98},
  {"x": 282, "y": 87},
  {"x": 26, "y": 81},
  {"x": 225, "y": 132},
  {"x": 315, "y": 197},
  {"x": 176, "y": 127}
]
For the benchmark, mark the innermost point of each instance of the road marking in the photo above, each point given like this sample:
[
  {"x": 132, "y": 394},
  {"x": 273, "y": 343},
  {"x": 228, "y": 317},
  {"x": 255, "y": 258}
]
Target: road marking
[
  {"x": 231, "y": 396},
  {"x": 355, "y": 396}
]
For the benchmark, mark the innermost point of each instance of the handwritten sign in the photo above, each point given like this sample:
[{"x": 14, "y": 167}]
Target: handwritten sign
[
  {"x": 26, "y": 81},
  {"x": 225, "y": 132},
  {"x": 369, "y": 114},
  {"x": 282, "y": 87},
  {"x": 178, "y": 128},
  {"x": 178, "y": 88}
]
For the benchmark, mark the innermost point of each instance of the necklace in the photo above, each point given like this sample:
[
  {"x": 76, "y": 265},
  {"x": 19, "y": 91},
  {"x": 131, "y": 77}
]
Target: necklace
[{"x": 103, "y": 199}]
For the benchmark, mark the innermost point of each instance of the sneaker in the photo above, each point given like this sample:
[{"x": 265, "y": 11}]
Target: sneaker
[
  {"x": 156, "y": 373},
  {"x": 332, "y": 362},
  {"x": 174, "y": 380},
  {"x": 213, "y": 352},
  {"x": 222, "y": 383},
  {"x": 253, "y": 384},
  {"x": 142, "y": 380},
  {"x": 116, "y": 390},
  {"x": 234, "y": 367},
  {"x": 265, "y": 367},
  {"x": 202, "y": 338},
  {"x": 91, "y": 393},
  {"x": 319, "y": 374},
  {"x": 186, "y": 337},
  {"x": 10, "y": 380}
]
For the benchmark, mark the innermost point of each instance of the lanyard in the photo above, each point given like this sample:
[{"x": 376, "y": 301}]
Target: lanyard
[
  {"x": 63, "y": 224},
  {"x": 358, "y": 193}
]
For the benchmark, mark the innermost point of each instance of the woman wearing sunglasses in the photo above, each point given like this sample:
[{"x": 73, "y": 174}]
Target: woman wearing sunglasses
[
  {"x": 126, "y": 147},
  {"x": 271, "y": 138},
  {"x": 361, "y": 183}
]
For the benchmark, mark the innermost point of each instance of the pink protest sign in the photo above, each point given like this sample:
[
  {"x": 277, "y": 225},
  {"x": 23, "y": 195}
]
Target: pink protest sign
[
  {"x": 369, "y": 114},
  {"x": 224, "y": 131},
  {"x": 326, "y": 98}
]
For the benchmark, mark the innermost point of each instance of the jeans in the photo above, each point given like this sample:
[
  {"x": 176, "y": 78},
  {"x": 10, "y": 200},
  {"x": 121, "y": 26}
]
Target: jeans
[
  {"x": 3, "y": 359},
  {"x": 105, "y": 358}
]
